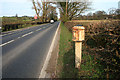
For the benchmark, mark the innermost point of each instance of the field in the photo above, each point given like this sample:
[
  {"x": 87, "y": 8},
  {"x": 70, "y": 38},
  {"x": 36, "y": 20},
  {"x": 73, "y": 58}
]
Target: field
[
  {"x": 101, "y": 51},
  {"x": 70, "y": 24},
  {"x": 92, "y": 20},
  {"x": 10, "y": 20},
  {"x": 12, "y": 23}
]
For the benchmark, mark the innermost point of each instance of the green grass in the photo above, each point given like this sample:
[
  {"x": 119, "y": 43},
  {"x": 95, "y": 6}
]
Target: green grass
[
  {"x": 66, "y": 55},
  {"x": 90, "y": 67},
  {"x": 16, "y": 19}
]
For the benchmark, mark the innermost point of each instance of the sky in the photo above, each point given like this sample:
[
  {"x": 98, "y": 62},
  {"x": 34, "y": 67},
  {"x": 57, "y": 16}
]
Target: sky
[{"x": 24, "y": 7}]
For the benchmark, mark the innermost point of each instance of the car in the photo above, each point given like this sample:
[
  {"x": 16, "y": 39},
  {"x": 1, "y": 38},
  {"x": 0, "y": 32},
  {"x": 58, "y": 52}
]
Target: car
[
  {"x": 0, "y": 30},
  {"x": 51, "y": 21}
]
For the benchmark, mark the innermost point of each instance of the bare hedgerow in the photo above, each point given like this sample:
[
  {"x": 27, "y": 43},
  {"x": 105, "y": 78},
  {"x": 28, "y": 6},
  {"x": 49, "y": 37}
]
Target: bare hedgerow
[
  {"x": 106, "y": 42},
  {"x": 103, "y": 39}
]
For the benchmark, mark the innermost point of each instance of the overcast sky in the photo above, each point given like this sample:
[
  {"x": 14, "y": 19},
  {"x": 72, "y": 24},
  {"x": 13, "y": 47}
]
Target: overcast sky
[{"x": 24, "y": 7}]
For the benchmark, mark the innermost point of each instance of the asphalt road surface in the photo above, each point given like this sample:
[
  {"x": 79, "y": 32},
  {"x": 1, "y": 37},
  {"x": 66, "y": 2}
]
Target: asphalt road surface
[{"x": 24, "y": 51}]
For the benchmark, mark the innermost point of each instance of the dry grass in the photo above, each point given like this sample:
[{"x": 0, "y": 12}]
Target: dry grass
[{"x": 92, "y": 20}]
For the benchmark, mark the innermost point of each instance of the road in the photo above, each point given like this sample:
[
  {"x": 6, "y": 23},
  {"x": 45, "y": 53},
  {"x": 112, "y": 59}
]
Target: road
[{"x": 24, "y": 51}]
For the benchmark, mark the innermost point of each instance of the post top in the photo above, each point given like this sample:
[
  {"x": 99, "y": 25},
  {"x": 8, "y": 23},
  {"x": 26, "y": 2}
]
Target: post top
[{"x": 79, "y": 27}]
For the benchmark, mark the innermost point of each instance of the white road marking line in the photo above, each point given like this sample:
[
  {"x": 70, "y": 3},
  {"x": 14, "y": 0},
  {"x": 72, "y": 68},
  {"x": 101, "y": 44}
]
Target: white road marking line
[
  {"x": 6, "y": 34},
  {"x": 27, "y": 34},
  {"x": 14, "y": 40},
  {"x": 3, "y": 35},
  {"x": 6, "y": 43},
  {"x": 9, "y": 33},
  {"x": 30, "y": 32},
  {"x": 18, "y": 37},
  {"x": 38, "y": 29}
]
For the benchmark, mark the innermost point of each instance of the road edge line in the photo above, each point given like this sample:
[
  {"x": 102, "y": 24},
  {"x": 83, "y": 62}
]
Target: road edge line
[{"x": 43, "y": 72}]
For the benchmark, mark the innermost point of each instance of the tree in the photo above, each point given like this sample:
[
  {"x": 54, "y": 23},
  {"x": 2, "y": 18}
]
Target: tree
[
  {"x": 99, "y": 15},
  {"x": 37, "y": 9},
  {"x": 16, "y": 15},
  {"x": 52, "y": 13},
  {"x": 69, "y": 10},
  {"x": 41, "y": 7},
  {"x": 112, "y": 11},
  {"x": 90, "y": 14},
  {"x": 117, "y": 12},
  {"x": 45, "y": 11}
]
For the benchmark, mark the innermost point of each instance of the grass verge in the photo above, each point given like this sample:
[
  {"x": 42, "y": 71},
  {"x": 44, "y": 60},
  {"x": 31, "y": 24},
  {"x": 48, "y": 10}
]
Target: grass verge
[
  {"x": 90, "y": 67},
  {"x": 66, "y": 55}
]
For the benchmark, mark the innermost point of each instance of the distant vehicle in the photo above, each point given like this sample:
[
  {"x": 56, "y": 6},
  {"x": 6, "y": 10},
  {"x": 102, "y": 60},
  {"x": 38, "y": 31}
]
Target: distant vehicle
[
  {"x": 51, "y": 21},
  {"x": 0, "y": 30}
]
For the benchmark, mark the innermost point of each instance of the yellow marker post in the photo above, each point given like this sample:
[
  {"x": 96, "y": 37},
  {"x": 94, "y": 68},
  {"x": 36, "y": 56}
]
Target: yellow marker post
[{"x": 78, "y": 37}]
